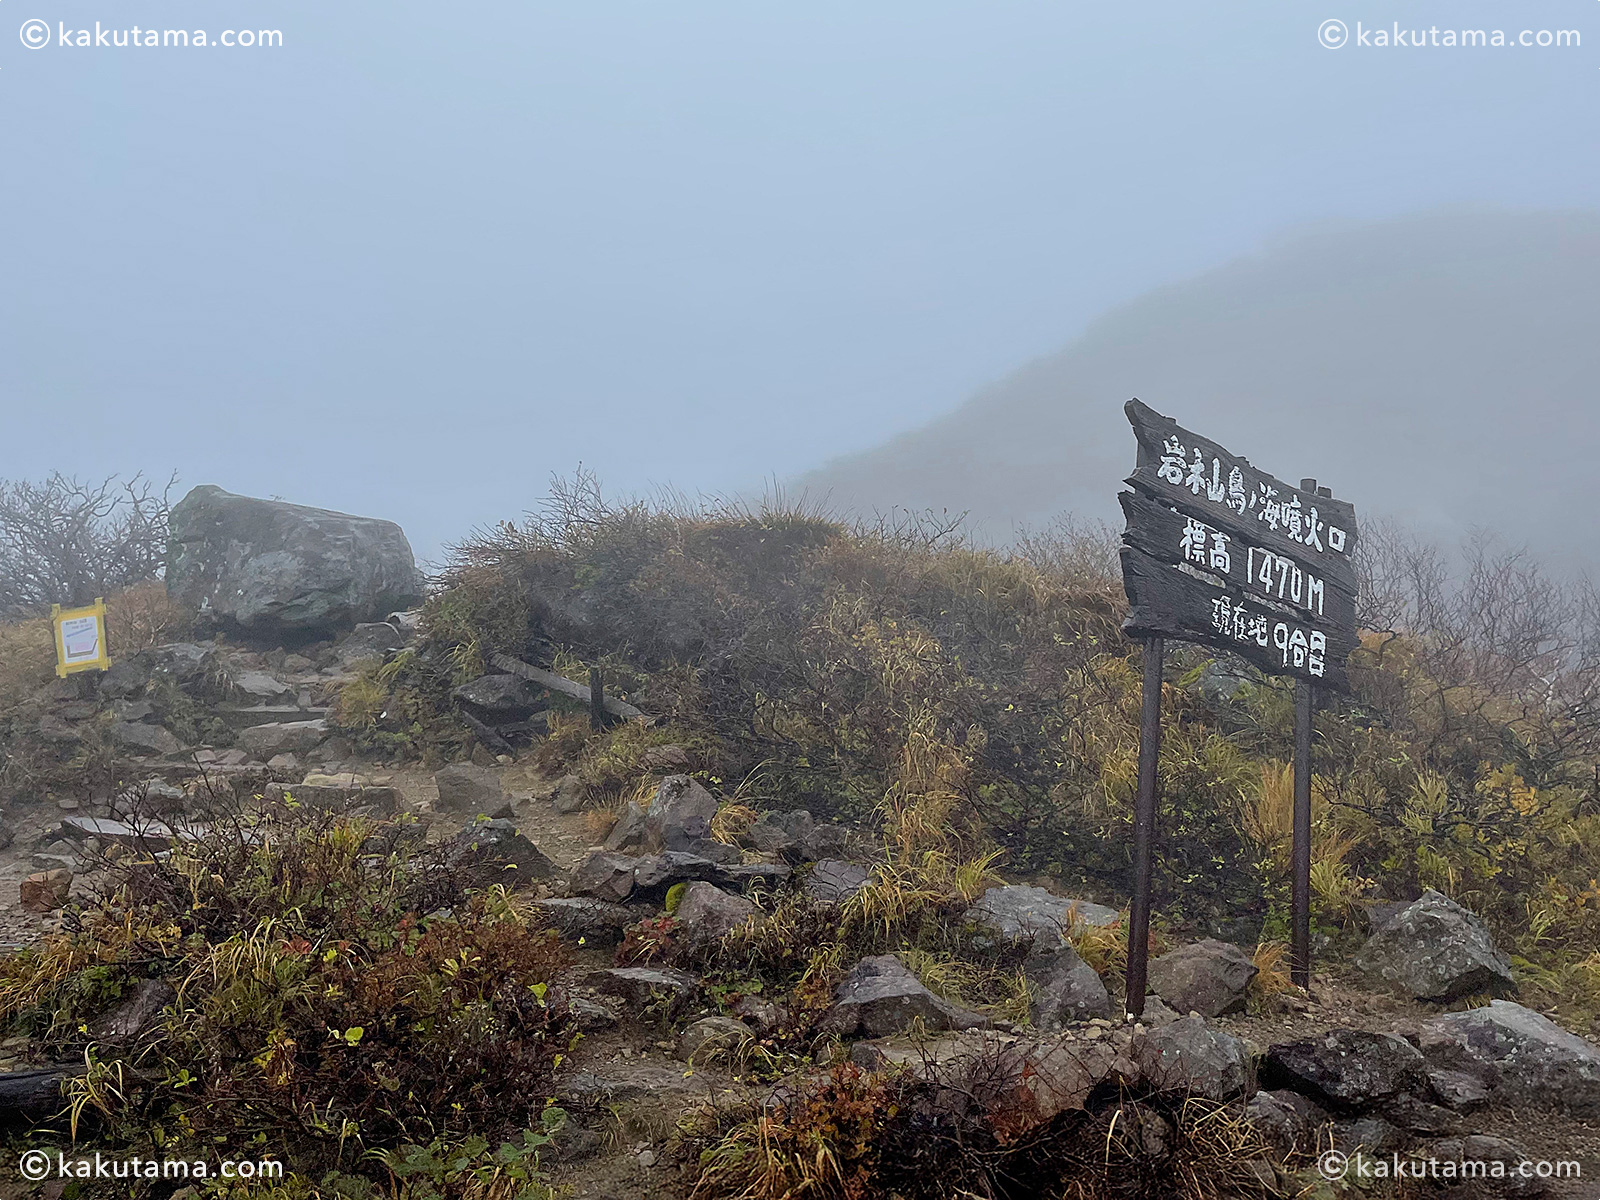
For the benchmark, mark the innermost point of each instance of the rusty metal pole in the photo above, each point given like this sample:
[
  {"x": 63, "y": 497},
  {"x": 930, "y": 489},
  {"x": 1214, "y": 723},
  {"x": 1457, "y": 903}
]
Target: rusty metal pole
[
  {"x": 1144, "y": 828},
  {"x": 1300, "y": 923},
  {"x": 597, "y": 699},
  {"x": 1300, "y": 853}
]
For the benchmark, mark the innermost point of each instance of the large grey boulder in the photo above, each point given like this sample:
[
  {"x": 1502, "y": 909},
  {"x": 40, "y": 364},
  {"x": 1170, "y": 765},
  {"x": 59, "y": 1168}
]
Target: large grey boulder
[
  {"x": 1347, "y": 1069},
  {"x": 1208, "y": 977},
  {"x": 605, "y": 876},
  {"x": 881, "y": 996},
  {"x": 269, "y": 568},
  {"x": 1286, "y": 1121},
  {"x": 582, "y": 918},
  {"x": 466, "y": 788},
  {"x": 706, "y": 913},
  {"x": 1433, "y": 949},
  {"x": 680, "y": 814},
  {"x": 1520, "y": 1056},
  {"x": 1189, "y": 1056},
  {"x": 144, "y": 739},
  {"x": 282, "y": 737},
  {"x": 1019, "y": 914},
  {"x": 499, "y": 699},
  {"x": 1064, "y": 989},
  {"x": 495, "y": 851}
]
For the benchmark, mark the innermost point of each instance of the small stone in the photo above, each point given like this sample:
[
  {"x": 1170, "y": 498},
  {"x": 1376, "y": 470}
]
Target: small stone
[
  {"x": 647, "y": 1159},
  {"x": 45, "y": 891}
]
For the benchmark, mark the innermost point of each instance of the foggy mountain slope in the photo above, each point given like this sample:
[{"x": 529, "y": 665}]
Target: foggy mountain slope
[{"x": 1438, "y": 368}]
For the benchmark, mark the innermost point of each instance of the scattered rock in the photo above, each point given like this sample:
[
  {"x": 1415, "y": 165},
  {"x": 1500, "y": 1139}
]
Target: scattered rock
[
  {"x": 623, "y": 1082},
  {"x": 369, "y": 639},
  {"x": 593, "y": 921},
  {"x": 1347, "y": 1069},
  {"x": 1064, "y": 989},
  {"x": 1436, "y": 950},
  {"x": 570, "y": 795},
  {"x": 1017, "y": 914},
  {"x": 282, "y": 737},
  {"x": 271, "y": 567},
  {"x": 136, "y": 1014},
  {"x": 1157, "y": 1013},
  {"x": 680, "y": 814},
  {"x": 591, "y": 1012},
  {"x": 1286, "y": 1120},
  {"x": 283, "y": 762},
  {"x": 336, "y": 793},
  {"x": 833, "y": 881},
  {"x": 1189, "y": 1056},
  {"x": 795, "y": 836},
  {"x": 262, "y": 687},
  {"x": 762, "y": 1015},
  {"x": 498, "y": 699},
  {"x": 152, "y": 739},
  {"x": 881, "y": 996},
  {"x": 706, "y": 913},
  {"x": 645, "y": 988},
  {"x": 1487, "y": 1183},
  {"x": 466, "y": 788},
  {"x": 45, "y": 891},
  {"x": 189, "y": 665},
  {"x": 1028, "y": 1083},
  {"x": 1521, "y": 1056},
  {"x": 1371, "y": 1135},
  {"x": 605, "y": 876},
  {"x": 493, "y": 851},
  {"x": 1208, "y": 977},
  {"x": 632, "y": 830},
  {"x": 1457, "y": 1090},
  {"x": 54, "y": 729},
  {"x": 712, "y": 1038}
]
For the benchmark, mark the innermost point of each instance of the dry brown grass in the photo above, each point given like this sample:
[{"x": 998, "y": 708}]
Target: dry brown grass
[{"x": 27, "y": 659}]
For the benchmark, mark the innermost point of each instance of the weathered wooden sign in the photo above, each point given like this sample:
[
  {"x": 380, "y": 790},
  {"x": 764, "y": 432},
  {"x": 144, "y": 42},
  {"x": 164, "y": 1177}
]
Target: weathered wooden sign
[{"x": 1218, "y": 552}]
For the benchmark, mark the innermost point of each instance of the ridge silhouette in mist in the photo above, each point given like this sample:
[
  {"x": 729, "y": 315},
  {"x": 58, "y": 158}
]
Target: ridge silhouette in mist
[{"x": 1438, "y": 369}]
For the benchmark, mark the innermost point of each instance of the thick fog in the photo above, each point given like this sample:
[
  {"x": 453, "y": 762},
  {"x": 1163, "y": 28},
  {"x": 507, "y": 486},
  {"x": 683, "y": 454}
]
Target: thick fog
[
  {"x": 410, "y": 259},
  {"x": 1437, "y": 369}
]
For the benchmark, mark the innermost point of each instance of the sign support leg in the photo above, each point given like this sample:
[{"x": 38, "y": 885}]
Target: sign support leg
[
  {"x": 1300, "y": 948},
  {"x": 1144, "y": 828}
]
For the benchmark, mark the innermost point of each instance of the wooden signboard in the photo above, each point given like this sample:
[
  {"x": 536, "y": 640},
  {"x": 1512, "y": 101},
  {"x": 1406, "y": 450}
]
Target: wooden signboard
[{"x": 1218, "y": 552}]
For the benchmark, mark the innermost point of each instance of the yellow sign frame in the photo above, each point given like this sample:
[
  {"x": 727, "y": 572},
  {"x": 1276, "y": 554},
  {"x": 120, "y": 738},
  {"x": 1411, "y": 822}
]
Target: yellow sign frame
[{"x": 59, "y": 619}]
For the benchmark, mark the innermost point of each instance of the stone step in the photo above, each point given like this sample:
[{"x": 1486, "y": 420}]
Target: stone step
[{"x": 241, "y": 717}]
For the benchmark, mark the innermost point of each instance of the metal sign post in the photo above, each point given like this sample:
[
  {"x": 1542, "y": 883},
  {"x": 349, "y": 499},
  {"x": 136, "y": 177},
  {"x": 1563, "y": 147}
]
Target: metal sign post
[{"x": 1218, "y": 552}]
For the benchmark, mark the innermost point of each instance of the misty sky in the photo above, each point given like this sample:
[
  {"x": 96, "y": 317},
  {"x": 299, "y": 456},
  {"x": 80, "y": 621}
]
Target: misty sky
[{"x": 422, "y": 256}]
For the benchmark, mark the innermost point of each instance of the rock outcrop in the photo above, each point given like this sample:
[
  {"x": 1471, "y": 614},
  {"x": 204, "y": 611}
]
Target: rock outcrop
[
  {"x": 1517, "y": 1056},
  {"x": 881, "y": 996},
  {"x": 1433, "y": 949},
  {"x": 267, "y": 567},
  {"x": 1208, "y": 977},
  {"x": 1017, "y": 914}
]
